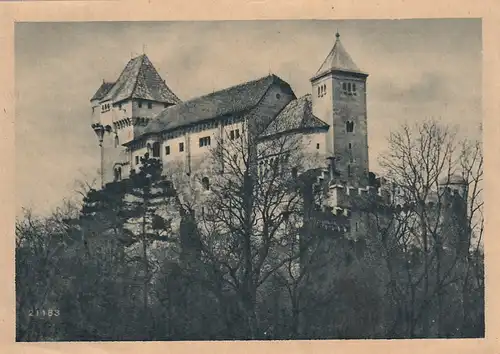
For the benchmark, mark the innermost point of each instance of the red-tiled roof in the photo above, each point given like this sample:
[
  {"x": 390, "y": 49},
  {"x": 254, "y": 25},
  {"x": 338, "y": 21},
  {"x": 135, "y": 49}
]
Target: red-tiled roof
[
  {"x": 297, "y": 115},
  {"x": 231, "y": 100},
  {"x": 140, "y": 80}
]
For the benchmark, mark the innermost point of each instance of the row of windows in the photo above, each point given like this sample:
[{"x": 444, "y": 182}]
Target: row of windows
[
  {"x": 150, "y": 105},
  {"x": 321, "y": 90},
  {"x": 105, "y": 107},
  {"x": 205, "y": 141},
  {"x": 349, "y": 89}
]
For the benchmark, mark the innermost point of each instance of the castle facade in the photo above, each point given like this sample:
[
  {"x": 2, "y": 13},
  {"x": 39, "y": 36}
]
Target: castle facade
[{"x": 139, "y": 114}]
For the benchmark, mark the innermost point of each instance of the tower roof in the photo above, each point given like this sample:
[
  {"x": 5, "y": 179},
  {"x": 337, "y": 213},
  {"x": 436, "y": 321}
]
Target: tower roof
[
  {"x": 338, "y": 59},
  {"x": 140, "y": 79},
  {"x": 102, "y": 90},
  {"x": 297, "y": 115}
]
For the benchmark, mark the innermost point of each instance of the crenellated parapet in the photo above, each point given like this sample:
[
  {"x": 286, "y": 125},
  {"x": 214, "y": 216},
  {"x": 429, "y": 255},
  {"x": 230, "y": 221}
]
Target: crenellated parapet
[{"x": 344, "y": 198}]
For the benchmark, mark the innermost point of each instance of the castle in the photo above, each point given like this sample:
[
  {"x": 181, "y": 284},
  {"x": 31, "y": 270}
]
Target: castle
[{"x": 139, "y": 113}]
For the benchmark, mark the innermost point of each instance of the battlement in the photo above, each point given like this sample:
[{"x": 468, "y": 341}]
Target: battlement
[{"x": 343, "y": 198}]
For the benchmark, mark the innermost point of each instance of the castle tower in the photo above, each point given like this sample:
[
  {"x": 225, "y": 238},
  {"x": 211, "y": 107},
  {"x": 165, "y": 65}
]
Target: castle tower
[
  {"x": 121, "y": 109},
  {"x": 455, "y": 225},
  {"x": 339, "y": 99}
]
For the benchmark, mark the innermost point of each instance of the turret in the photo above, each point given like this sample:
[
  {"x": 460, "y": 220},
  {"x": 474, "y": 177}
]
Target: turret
[{"x": 121, "y": 110}]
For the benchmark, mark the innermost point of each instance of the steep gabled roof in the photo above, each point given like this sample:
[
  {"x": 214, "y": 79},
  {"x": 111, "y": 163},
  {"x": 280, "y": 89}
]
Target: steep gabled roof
[
  {"x": 228, "y": 101},
  {"x": 338, "y": 59},
  {"x": 140, "y": 80},
  {"x": 297, "y": 115},
  {"x": 103, "y": 90}
]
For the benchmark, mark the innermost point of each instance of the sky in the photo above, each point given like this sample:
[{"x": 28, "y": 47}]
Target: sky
[{"x": 418, "y": 69}]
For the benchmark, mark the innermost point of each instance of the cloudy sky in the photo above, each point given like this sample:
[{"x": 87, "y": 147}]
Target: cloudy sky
[{"x": 418, "y": 69}]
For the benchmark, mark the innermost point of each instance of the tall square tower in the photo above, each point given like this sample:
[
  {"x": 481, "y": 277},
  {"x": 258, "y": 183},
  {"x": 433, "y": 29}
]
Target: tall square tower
[{"x": 339, "y": 99}]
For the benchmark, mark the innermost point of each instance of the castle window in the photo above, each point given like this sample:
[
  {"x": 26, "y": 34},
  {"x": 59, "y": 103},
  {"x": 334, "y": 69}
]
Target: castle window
[
  {"x": 350, "y": 146},
  {"x": 206, "y": 183},
  {"x": 118, "y": 174},
  {"x": 137, "y": 160},
  {"x": 117, "y": 142},
  {"x": 167, "y": 150},
  {"x": 205, "y": 141},
  {"x": 349, "y": 89},
  {"x": 321, "y": 90},
  {"x": 234, "y": 134},
  {"x": 150, "y": 105},
  {"x": 349, "y": 126},
  {"x": 317, "y": 146},
  {"x": 139, "y": 104},
  {"x": 156, "y": 149},
  {"x": 348, "y": 170},
  {"x": 181, "y": 147}
]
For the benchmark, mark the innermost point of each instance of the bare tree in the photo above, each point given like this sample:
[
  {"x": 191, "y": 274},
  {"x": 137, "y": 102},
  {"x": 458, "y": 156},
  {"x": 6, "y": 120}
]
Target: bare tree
[
  {"x": 248, "y": 212},
  {"x": 435, "y": 213}
]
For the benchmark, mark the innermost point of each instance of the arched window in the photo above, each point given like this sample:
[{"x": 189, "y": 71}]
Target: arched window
[
  {"x": 349, "y": 126},
  {"x": 117, "y": 141},
  {"x": 118, "y": 174},
  {"x": 156, "y": 149},
  {"x": 206, "y": 183}
]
